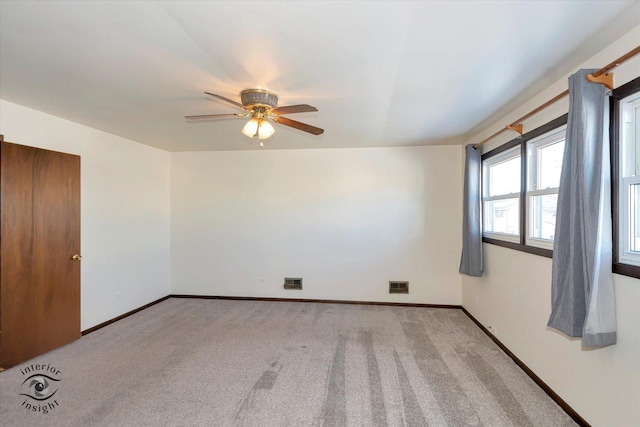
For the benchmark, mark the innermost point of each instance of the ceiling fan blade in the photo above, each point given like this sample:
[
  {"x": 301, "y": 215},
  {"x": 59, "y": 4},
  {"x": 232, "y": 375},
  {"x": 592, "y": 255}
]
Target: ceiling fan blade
[
  {"x": 210, "y": 116},
  {"x": 302, "y": 108},
  {"x": 230, "y": 101},
  {"x": 302, "y": 126}
]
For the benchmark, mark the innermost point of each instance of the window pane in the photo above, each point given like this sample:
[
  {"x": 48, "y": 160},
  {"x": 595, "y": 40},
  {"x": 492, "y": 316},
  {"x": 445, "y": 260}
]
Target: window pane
[
  {"x": 635, "y": 136},
  {"x": 543, "y": 216},
  {"x": 634, "y": 218},
  {"x": 550, "y": 165},
  {"x": 630, "y": 130},
  {"x": 504, "y": 178},
  {"x": 502, "y": 216}
]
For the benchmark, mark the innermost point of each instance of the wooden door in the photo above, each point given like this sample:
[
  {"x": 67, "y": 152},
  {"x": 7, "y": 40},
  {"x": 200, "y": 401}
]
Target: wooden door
[{"x": 39, "y": 236}]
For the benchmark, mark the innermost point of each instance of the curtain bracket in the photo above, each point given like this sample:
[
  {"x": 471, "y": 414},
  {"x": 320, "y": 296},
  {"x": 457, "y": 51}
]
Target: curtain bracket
[
  {"x": 604, "y": 79},
  {"x": 515, "y": 127}
]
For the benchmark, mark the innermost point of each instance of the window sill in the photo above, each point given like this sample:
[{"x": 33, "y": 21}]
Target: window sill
[
  {"x": 627, "y": 270},
  {"x": 547, "y": 253},
  {"x": 622, "y": 269}
]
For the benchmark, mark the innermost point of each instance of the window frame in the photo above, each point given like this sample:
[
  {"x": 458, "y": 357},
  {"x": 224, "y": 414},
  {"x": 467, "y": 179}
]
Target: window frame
[
  {"x": 617, "y": 95},
  {"x": 522, "y": 142}
]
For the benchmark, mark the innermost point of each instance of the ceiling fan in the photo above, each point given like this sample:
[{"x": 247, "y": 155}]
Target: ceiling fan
[{"x": 261, "y": 105}]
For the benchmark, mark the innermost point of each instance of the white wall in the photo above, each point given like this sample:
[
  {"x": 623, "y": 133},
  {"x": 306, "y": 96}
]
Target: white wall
[
  {"x": 124, "y": 210},
  {"x": 514, "y": 295},
  {"x": 345, "y": 220}
]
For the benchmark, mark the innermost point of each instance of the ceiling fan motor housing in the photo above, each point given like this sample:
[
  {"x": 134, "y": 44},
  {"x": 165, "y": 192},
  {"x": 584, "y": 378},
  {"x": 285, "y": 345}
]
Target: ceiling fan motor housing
[{"x": 257, "y": 98}]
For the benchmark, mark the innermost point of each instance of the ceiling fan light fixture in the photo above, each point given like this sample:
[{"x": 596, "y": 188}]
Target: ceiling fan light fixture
[
  {"x": 265, "y": 129},
  {"x": 251, "y": 128}
]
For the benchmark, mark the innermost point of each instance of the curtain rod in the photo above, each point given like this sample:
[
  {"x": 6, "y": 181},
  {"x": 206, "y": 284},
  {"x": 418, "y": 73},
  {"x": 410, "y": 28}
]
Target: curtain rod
[{"x": 599, "y": 76}]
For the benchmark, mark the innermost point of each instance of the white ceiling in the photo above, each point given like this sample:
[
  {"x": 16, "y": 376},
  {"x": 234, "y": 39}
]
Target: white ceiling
[{"x": 380, "y": 73}]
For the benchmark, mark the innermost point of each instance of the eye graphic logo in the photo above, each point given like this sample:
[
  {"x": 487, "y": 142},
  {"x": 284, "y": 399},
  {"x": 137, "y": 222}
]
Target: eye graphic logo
[{"x": 40, "y": 387}]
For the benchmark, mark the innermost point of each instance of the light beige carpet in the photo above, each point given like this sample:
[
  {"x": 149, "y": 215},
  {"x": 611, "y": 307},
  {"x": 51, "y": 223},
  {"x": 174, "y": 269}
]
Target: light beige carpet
[{"x": 194, "y": 362}]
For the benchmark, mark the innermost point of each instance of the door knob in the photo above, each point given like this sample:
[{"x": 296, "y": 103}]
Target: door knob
[{"x": 77, "y": 257}]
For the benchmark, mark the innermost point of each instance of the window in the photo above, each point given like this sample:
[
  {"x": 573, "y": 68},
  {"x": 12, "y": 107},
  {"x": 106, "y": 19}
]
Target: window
[
  {"x": 501, "y": 195},
  {"x": 522, "y": 214},
  {"x": 544, "y": 164},
  {"x": 626, "y": 177},
  {"x": 629, "y": 179}
]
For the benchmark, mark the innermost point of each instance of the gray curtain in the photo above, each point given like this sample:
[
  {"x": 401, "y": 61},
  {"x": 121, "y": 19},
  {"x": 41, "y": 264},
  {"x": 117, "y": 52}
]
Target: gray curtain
[
  {"x": 582, "y": 281},
  {"x": 471, "y": 260}
]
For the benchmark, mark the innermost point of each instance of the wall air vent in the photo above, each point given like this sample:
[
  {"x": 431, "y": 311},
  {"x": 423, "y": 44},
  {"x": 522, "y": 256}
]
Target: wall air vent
[
  {"x": 398, "y": 287},
  {"x": 293, "y": 283}
]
